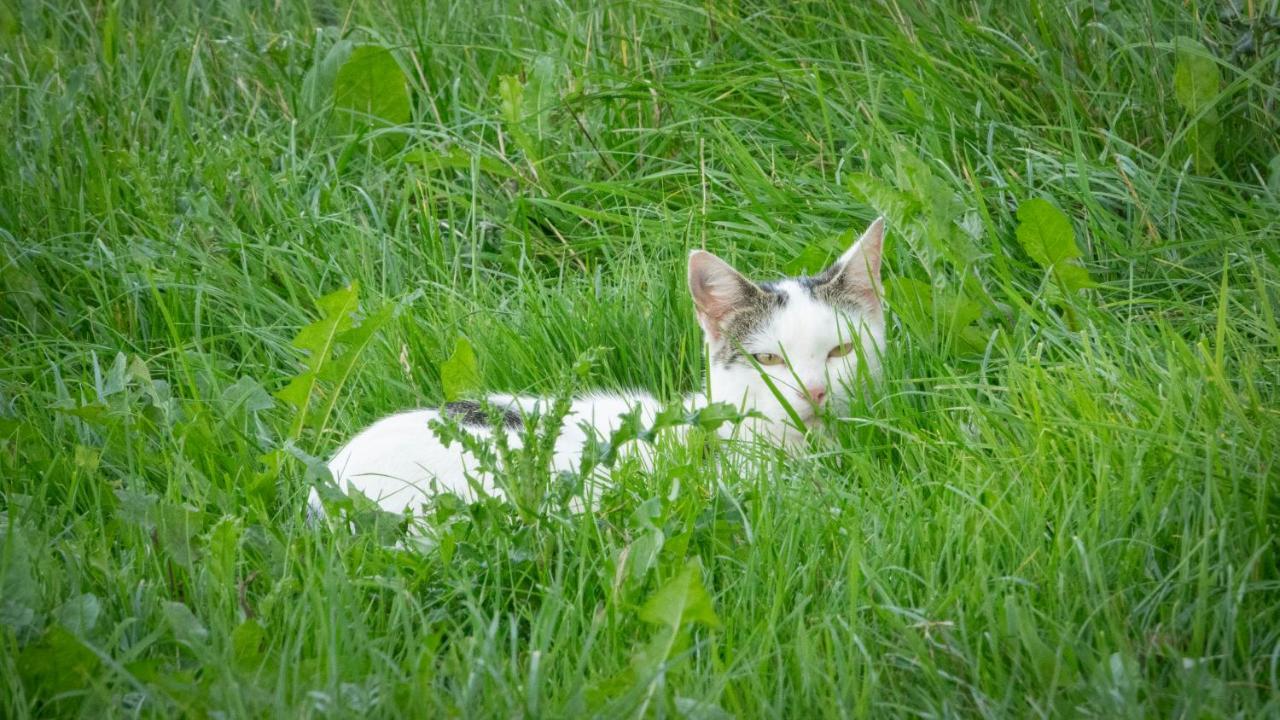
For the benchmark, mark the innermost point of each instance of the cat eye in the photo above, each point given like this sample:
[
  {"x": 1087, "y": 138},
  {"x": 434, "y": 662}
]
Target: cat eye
[
  {"x": 840, "y": 350},
  {"x": 768, "y": 358}
]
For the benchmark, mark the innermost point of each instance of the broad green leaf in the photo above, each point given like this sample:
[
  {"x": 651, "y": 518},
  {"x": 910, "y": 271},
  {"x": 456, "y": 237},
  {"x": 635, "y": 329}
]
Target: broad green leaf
[
  {"x": 629, "y": 428},
  {"x": 1202, "y": 143},
  {"x": 1045, "y": 233},
  {"x": 1196, "y": 76},
  {"x": 177, "y": 527},
  {"x": 117, "y": 377},
  {"x": 644, "y": 553},
  {"x": 248, "y": 395},
  {"x": 79, "y": 615},
  {"x": 670, "y": 416},
  {"x": 1196, "y": 79},
  {"x": 95, "y": 413},
  {"x": 136, "y": 506},
  {"x": 246, "y": 644},
  {"x": 600, "y": 692},
  {"x": 58, "y": 663},
  {"x": 174, "y": 527},
  {"x": 19, "y": 590},
  {"x": 317, "y": 84},
  {"x": 460, "y": 374},
  {"x": 186, "y": 626},
  {"x": 681, "y": 601},
  {"x": 9, "y": 25},
  {"x": 371, "y": 89},
  {"x": 1073, "y": 277}
]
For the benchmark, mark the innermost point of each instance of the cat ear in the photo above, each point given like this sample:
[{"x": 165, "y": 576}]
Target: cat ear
[
  {"x": 857, "y": 272},
  {"x": 717, "y": 290}
]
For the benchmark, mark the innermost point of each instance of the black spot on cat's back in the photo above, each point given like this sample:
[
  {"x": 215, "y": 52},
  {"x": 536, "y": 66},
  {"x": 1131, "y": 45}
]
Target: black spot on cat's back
[{"x": 470, "y": 412}]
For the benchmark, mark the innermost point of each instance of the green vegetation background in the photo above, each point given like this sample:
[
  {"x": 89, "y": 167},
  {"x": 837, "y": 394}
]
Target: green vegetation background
[{"x": 1062, "y": 500}]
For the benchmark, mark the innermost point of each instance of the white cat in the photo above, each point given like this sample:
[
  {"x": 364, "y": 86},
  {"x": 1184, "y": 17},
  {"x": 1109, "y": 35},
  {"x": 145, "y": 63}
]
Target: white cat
[{"x": 805, "y": 335}]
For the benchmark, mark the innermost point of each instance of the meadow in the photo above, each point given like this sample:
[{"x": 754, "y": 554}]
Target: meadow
[{"x": 234, "y": 233}]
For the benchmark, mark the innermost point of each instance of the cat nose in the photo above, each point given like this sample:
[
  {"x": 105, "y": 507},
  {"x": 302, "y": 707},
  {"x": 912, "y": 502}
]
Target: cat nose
[{"x": 817, "y": 393}]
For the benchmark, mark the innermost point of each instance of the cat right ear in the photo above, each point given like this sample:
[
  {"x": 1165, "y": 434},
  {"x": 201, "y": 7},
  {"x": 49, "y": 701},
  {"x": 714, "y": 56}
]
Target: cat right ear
[{"x": 717, "y": 291}]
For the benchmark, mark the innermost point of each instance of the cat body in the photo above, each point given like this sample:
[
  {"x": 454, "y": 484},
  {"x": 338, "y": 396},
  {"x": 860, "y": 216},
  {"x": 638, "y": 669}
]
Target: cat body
[
  {"x": 400, "y": 463},
  {"x": 786, "y": 350}
]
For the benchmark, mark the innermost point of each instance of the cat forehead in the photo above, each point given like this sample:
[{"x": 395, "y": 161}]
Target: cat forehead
[{"x": 801, "y": 319}]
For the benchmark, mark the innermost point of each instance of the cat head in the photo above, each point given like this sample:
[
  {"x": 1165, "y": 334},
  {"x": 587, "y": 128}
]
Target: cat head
[{"x": 804, "y": 334}]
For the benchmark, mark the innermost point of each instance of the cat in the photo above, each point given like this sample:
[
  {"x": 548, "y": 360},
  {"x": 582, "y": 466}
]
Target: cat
[{"x": 806, "y": 334}]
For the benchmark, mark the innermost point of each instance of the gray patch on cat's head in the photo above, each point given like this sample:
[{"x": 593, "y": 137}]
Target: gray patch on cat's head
[
  {"x": 749, "y": 317},
  {"x": 469, "y": 412},
  {"x": 827, "y": 288}
]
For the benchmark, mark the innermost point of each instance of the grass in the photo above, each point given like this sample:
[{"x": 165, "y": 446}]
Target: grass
[{"x": 1058, "y": 504}]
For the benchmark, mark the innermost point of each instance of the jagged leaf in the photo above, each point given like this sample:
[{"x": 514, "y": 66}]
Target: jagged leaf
[
  {"x": 354, "y": 341},
  {"x": 318, "y": 341},
  {"x": 948, "y": 322},
  {"x": 816, "y": 256},
  {"x": 511, "y": 97},
  {"x": 336, "y": 311},
  {"x": 224, "y": 548},
  {"x": 511, "y": 94},
  {"x": 923, "y": 208},
  {"x": 711, "y": 417}
]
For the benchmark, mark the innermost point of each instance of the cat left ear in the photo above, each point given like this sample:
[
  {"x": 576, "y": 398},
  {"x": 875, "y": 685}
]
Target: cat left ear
[
  {"x": 718, "y": 291},
  {"x": 857, "y": 272}
]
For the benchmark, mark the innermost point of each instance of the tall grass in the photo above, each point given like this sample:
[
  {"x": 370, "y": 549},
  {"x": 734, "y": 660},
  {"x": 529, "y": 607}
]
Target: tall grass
[{"x": 1074, "y": 515}]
